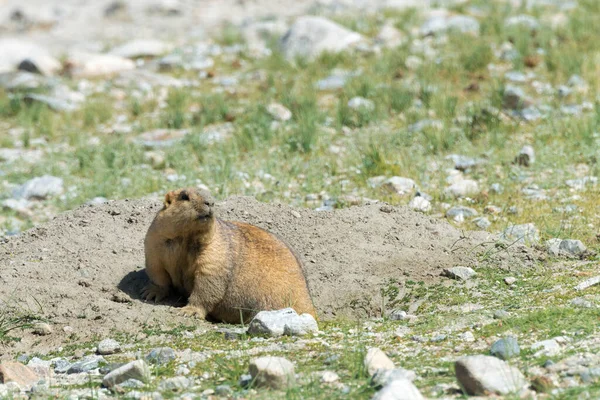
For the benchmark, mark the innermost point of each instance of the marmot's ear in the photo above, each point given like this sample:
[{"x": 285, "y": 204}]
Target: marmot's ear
[{"x": 169, "y": 197}]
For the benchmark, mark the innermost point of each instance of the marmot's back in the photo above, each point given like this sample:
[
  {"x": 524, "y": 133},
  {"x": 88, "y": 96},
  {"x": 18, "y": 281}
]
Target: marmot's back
[{"x": 265, "y": 274}]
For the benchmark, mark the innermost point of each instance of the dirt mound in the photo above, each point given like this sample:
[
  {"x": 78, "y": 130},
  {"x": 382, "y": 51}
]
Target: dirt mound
[{"x": 84, "y": 269}]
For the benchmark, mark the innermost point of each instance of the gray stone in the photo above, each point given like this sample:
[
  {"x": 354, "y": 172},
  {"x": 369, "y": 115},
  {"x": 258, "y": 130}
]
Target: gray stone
[
  {"x": 482, "y": 222},
  {"x": 87, "y": 364},
  {"x": 483, "y": 375},
  {"x": 39, "y": 188},
  {"x": 509, "y": 280},
  {"x": 526, "y": 21},
  {"x": 332, "y": 82},
  {"x": 496, "y": 188},
  {"x": 460, "y": 273},
  {"x": 464, "y": 163},
  {"x": 443, "y": 23},
  {"x": 383, "y": 377},
  {"x": 376, "y": 360},
  {"x": 134, "y": 370},
  {"x": 580, "y": 302},
  {"x": 460, "y": 213},
  {"x": 501, "y": 314},
  {"x": 572, "y": 247},
  {"x": 141, "y": 48},
  {"x": 161, "y": 355},
  {"x": 310, "y": 36},
  {"x": 462, "y": 188},
  {"x": 146, "y": 81},
  {"x": 582, "y": 183},
  {"x": 108, "y": 346},
  {"x": 161, "y": 137},
  {"x": 588, "y": 283},
  {"x": 505, "y": 348},
  {"x": 282, "y": 322},
  {"x": 548, "y": 347},
  {"x": 389, "y": 36},
  {"x": 360, "y": 103},
  {"x": 515, "y": 98},
  {"x": 273, "y": 372},
  {"x": 424, "y": 124},
  {"x": 526, "y": 156},
  {"x": 223, "y": 390},
  {"x": 131, "y": 384},
  {"x": 61, "y": 366},
  {"x": 60, "y": 99},
  {"x": 175, "y": 384},
  {"x": 400, "y": 389},
  {"x": 524, "y": 233},
  {"x": 399, "y": 185}
]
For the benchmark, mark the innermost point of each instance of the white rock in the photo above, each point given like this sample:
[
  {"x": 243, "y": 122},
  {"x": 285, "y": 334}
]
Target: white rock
[
  {"x": 442, "y": 23},
  {"x": 413, "y": 62},
  {"x": 310, "y": 36},
  {"x": 358, "y": 103},
  {"x": 14, "y": 51},
  {"x": 141, "y": 48},
  {"x": 572, "y": 247},
  {"x": 383, "y": 377},
  {"x": 588, "y": 283},
  {"x": 483, "y": 375},
  {"x": 399, "y": 185},
  {"x": 463, "y": 188},
  {"x": 375, "y": 360},
  {"x": 134, "y": 370},
  {"x": 89, "y": 65},
  {"x": 389, "y": 36},
  {"x": 282, "y": 322},
  {"x": 460, "y": 273},
  {"x": 39, "y": 188},
  {"x": 329, "y": 377},
  {"x": 548, "y": 347},
  {"x": 400, "y": 389},
  {"x": 108, "y": 346},
  {"x": 273, "y": 372},
  {"x": 524, "y": 233},
  {"x": 420, "y": 204},
  {"x": 553, "y": 246},
  {"x": 279, "y": 112}
]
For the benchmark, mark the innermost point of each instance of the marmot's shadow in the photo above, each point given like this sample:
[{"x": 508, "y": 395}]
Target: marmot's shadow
[{"x": 134, "y": 281}]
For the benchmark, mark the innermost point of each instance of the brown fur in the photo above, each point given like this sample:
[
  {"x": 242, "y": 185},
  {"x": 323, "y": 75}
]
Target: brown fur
[{"x": 229, "y": 270}]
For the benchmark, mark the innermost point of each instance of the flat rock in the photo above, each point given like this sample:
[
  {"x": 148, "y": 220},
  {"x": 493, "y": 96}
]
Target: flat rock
[
  {"x": 134, "y": 370},
  {"x": 524, "y": 233},
  {"x": 161, "y": 355},
  {"x": 460, "y": 273},
  {"x": 18, "y": 373},
  {"x": 383, "y": 377},
  {"x": 282, "y": 322},
  {"x": 39, "y": 188},
  {"x": 141, "y": 48},
  {"x": 273, "y": 372},
  {"x": 161, "y": 137},
  {"x": 460, "y": 213},
  {"x": 399, "y": 185},
  {"x": 549, "y": 347},
  {"x": 463, "y": 188},
  {"x": 108, "y": 346},
  {"x": 419, "y": 203},
  {"x": 400, "y": 389},
  {"x": 376, "y": 360},
  {"x": 588, "y": 283},
  {"x": 90, "y": 65},
  {"x": 23, "y": 81},
  {"x": 28, "y": 56},
  {"x": 483, "y": 375},
  {"x": 442, "y": 23},
  {"x": 310, "y": 36}
]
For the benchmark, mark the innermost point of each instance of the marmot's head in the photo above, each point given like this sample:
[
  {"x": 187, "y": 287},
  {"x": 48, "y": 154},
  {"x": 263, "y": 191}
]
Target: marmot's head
[{"x": 186, "y": 211}]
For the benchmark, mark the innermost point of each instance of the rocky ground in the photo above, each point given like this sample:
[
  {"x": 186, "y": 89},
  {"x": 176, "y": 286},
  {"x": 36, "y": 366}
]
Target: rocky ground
[{"x": 434, "y": 163}]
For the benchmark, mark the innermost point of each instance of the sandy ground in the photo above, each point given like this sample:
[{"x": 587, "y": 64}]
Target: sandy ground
[{"x": 84, "y": 269}]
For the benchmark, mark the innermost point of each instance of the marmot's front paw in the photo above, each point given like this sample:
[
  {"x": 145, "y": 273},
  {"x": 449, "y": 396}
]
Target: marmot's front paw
[
  {"x": 154, "y": 292},
  {"x": 191, "y": 311}
]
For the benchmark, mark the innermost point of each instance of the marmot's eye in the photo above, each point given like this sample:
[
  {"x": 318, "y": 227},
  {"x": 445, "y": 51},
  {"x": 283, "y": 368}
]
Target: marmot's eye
[
  {"x": 209, "y": 203},
  {"x": 184, "y": 196}
]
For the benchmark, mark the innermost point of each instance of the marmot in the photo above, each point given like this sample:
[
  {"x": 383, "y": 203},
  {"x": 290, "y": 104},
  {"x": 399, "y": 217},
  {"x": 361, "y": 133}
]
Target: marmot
[{"x": 228, "y": 270}]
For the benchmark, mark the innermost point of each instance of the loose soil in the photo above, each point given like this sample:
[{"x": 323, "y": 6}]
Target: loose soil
[{"x": 84, "y": 269}]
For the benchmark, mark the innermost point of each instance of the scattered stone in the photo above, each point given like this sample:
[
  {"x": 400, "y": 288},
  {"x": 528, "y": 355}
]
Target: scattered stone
[
  {"x": 400, "y": 389},
  {"x": 161, "y": 355},
  {"x": 383, "y": 377},
  {"x": 398, "y": 315},
  {"x": 505, "y": 348},
  {"x": 17, "y": 373},
  {"x": 375, "y": 360},
  {"x": 460, "y": 213},
  {"x": 223, "y": 390},
  {"x": 161, "y": 137},
  {"x": 176, "y": 384},
  {"x": 279, "y": 112},
  {"x": 581, "y": 303},
  {"x": 108, "y": 346},
  {"x": 360, "y": 103},
  {"x": 329, "y": 377},
  {"x": 549, "y": 347},
  {"x": 443, "y": 23},
  {"x": 515, "y": 98},
  {"x": 501, "y": 314},
  {"x": 572, "y": 247},
  {"x": 333, "y": 82},
  {"x": 399, "y": 185},
  {"x": 482, "y": 222},
  {"x": 413, "y": 63},
  {"x": 419, "y": 203},
  {"x": 389, "y": 36},
  {"x": 582, "y": 183},
  {"x": 141, "y": 48},
  {"x": 463, "y": 188},
  {"x": 60, "y": 99},
  {"x": 89, "y": 65},
  {"x": 61, "y": 366},
  {"x": 460, "y": 273},
  {"x": 310, "y": 36},
  {"x": 282, "y": 322},
  {"x": 42, "y": 329},
  {"x": 509, "y": 280},
  {"x": 467, "y": 337},
  {"x": 464, "y": 163},
  {"x": 526, "y": 156},
  {"x": 134, "y": 370},
  {"x": 588, "y": 283},
  {"x": 526, "y": 21},
  {"x": 39, "y": 188},
  {"x": 424, "y": 124},
  {"x": 273, "y": 372},
  {"x": 525, "y": 233},
  {"x": 131, "y": 384},
  {"x": 87, "y": 364},
  {"x": 483, "y": 375}
]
